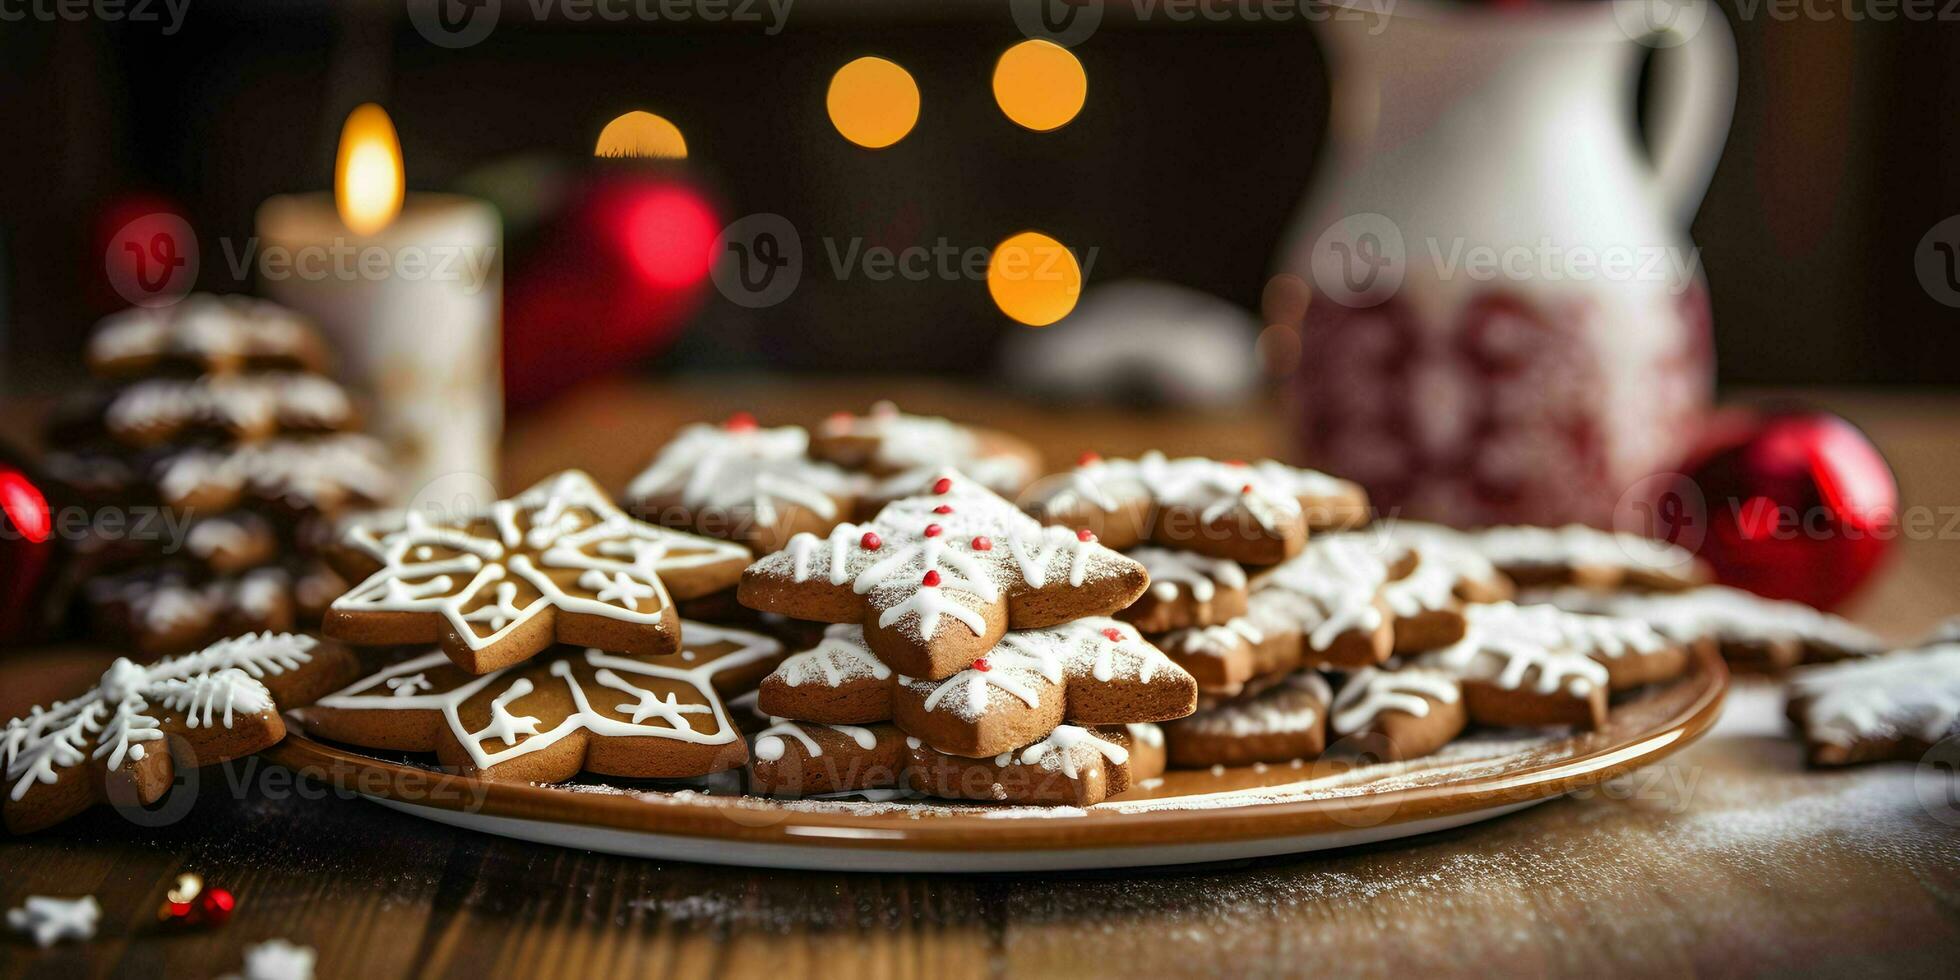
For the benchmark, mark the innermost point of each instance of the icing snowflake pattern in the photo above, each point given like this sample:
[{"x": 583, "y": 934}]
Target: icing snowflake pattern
[
  {"x": 611, "y": 696},
  {"x": 561, "y": 545},
  {"x": 1094, "y": 650},
  {"x": 117, "y": 722}
]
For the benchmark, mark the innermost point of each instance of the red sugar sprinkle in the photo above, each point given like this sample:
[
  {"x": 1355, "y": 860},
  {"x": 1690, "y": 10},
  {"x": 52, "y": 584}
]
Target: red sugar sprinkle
[
  {"x": 871, "y": 541},
  {"x": 942, "y": 485},
  {"x": 983, "y": 543},
  {"x": 1246, "y": 489},
  {"x": 1115, "y": 635},
  {"x": 982, "y": 665},
  {"x": 932, "y": 530},
  {"x": 1235, "y": 462},
  {"x": 932, "y": 577},
  {"x": 1087, "y": 458},
  {"x": 1085, "y": 535},
  {"x": 943, "y": 509},
  {"x": 739, "y": 422}
]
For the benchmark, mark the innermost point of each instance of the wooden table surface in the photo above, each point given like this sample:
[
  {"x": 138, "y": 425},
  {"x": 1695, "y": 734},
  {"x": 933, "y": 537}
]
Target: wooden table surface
[{"x": 1728, "y": 859}]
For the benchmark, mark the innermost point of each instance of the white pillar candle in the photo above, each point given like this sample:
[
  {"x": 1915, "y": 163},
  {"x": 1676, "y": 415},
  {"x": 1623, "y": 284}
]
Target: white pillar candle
[{"x": 412, "y": 302}]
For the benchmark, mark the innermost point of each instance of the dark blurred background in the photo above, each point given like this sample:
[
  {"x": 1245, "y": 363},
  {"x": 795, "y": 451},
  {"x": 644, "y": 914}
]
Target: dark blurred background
[{"x": 1196, "y": 145}]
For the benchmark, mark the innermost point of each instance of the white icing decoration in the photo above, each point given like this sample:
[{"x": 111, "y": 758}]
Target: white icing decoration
[
  {"x": 201, "y": 326},
  {"x": 1269, "y": 492},
  {"x": 769, "y": 745},
  {"x": 245, "y": 402},
  {"x": 1907, "y": 694},
  {"x": 278, "y": 959},
  {"x": 1719, "y": 612},
  {"x": 563, "y": 523},
  {"x": 49, "y": 920},
  {"x": 913, "y": 449},
  {"x": 1023, "y": 554},
  {"x": 1146, "y": 734},
  {"x": 1369, "y": 692},
  {"x": 1286, "y": 709},
  {"x": 1196, "y": 574},
  {"x": 1069, "y": 748},
  {"x": 210, "y": 687},
  {"x": 1574, "y": 545},
  {"x": 1024, "y": 659},
  {"x": 744, "y": 472},
  {"x": 840, "y": 658},
  {"x": 1546, "y": 647},
  {"x": 520, "y": 734},
  {"x": 1327, "y": 590}
]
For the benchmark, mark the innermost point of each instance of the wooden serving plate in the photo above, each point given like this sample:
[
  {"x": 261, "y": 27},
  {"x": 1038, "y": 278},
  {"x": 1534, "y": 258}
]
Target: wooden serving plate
[{"x": 1187, "y": 817}]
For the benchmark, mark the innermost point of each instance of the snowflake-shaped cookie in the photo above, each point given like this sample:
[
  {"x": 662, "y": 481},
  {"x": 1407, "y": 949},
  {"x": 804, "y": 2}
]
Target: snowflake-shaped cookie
[
  {"x": 556, "y": 563},
  {"x": 568, "y": 711},
  {"x": 112, "y": 743},
  {"x": 1257, "y": 513},
  {"x": 937, "y": 579},
  {"x": 1898, "y": 705},
  {"x": 743, "y": 483}
]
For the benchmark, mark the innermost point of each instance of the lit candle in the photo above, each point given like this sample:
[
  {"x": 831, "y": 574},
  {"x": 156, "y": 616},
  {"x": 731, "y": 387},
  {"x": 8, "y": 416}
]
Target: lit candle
[{"x": 409, "y": 289}]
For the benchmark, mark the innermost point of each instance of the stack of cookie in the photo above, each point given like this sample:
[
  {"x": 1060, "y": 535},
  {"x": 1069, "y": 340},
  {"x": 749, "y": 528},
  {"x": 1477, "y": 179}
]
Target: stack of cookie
[
  {"x": 559, "y": 648},
  {"x": 973, "y": 657},
  {"x": 1584, "y": 570},
  {"x": 211, "y": 446}
]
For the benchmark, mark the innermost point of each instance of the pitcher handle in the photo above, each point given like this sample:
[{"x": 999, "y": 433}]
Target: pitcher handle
[{"x": 1693, "y": 93}]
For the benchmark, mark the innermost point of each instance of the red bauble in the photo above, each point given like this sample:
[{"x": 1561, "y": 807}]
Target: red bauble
[
  {"x": 215, "y": 907},
  {"x": 610, "y": 279},
  {"x": 29, "y": 551},
  {"x": 1799, "y": 504}
]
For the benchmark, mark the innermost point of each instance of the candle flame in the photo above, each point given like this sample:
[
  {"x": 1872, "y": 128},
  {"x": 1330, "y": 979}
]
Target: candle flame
[{"x": 367, "y": 178}]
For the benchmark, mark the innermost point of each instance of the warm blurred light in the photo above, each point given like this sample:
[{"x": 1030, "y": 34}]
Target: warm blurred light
[
  {"x": 1040, "y": 85},
  {"x": 670, "y": 233},
  {"x": 367, "y": 177},
  {"x": 1034, "y": 279},
  {"x": 873, "y": 102},
  {"x": 1285, "y": 299},
  {"x": 1279, "y": 349},
  {"x": 641, "y": 134},
  {"x": 25, "y": 506}
]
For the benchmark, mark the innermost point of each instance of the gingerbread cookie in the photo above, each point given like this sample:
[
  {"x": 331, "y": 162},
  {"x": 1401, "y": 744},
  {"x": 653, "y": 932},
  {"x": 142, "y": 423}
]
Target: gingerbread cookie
[
  {"x": 558, "y": 563},
  {"x": 566, "y": 711},
  {"x": 807, "y": 758},
  {"x": 1895, "y": 706},
  {"x": 1071, "y": 766},
  {"x": 904, "y": 454},
  {"x": 1093, "y": 671},
  {"x": 1752, "y": 633},
  {"x": 1186, "y": 590},
  {"x": 162, "y": 610},
  {"x": 205, "y": 334},
  {"x": 1588, "y": 557},
  {"x": 1285, "y": 722},
  {"x": 744, "y": 483},
  {"x": 1539, "y": 665},
  {"x": 938, "y": 579},
  {"x": 1401, "y": 714},
  {"x": 1257, "y": 514},
  {"x": 122, "y": 741},
  {"x": 324, "y": 475}
]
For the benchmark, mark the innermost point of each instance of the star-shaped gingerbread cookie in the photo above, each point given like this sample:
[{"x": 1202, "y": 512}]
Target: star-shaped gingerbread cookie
[
  {"x": 558, "y": 563},
  {"x": 741, "y": 482},
  {"x": 567, "y": 711},
  {"x": 937, "y": 579},
  {"x": 122, "y": 741}
]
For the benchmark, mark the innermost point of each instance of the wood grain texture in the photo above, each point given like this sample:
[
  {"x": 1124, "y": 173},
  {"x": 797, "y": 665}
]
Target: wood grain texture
[{"x": 1727, "y": 859}]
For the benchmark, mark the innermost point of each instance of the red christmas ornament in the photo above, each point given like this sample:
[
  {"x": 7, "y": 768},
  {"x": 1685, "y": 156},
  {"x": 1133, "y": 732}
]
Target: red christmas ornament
[
  {"x": 1793, "y": 504},
  {"x": 29, "y": 551},
  {"x": 215, "y": 907}
]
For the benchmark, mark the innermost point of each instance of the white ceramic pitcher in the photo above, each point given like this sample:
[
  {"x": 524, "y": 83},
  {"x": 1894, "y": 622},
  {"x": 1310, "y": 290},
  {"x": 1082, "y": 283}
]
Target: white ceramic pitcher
[{"x": 1508, "y": 321}]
